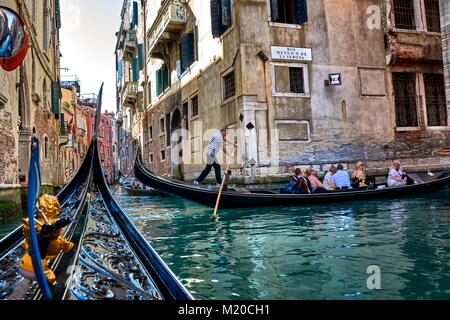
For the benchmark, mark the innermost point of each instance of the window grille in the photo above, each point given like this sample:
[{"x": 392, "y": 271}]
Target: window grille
[
  {"x": 194, "y": 106},
  {"x": 404, "y": 14},
  {"x": 296, "y": 80},
  {"x": 405, "y": 99},
  {"x": 436, "y": 100},
  {"x": 433, "y": 15},
  {"x": 229, "y": 86}
]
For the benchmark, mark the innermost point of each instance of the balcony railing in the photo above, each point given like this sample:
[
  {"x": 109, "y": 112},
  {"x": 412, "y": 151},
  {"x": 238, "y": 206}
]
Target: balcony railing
[
  {"x": 130, "y": 94},
  {"x": 168, "y": 25},
  {"x": 130, "y": 47}
]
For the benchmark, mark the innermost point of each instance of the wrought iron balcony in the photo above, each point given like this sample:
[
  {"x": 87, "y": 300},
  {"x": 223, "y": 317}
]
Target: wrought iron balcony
[
  {"x": 168, "y": 25},
  {"x": 130, "y": 94},
  {"x": 129, "y": 49}
]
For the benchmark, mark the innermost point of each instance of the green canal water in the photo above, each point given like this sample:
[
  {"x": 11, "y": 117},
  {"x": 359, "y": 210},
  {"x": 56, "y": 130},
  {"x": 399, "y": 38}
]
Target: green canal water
[{"x": 314, "y": 252}]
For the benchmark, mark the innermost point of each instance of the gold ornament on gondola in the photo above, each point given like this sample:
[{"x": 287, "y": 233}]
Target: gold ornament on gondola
[{"x": 48, "y": 226}]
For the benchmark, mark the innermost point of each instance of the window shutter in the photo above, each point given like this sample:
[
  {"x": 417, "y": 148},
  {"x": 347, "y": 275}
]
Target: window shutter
[
  {"x": 141, "y": 56},
  {"x": 196, "y": 43},
  {"x": 57, "y": 14},
  {"x": 55, "y": 99},
  {"x": 187, "y": 50},
  {"x": 301, "y": 11},
  {"x": 179, "y": 68},
  {"x": 165, "y": 77},
  {"x": 119, "y": 70},
  {"x": 216, "y": 19},
  {"x": 135, "y": 14},
  {"x": 226, "y": 13},
  {"x": 158, "y": 82},
  {"x": 135, "y": 69},
  {"x": 62, "y": 123},
  {"x": 274, "y": 10}
]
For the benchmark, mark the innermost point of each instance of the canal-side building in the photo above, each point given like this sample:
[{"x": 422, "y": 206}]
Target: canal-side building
[
  {"x": 105, "y": 146},
  {"x": 294, "y": 81},
  {"x": 130, "y": 81},
  {"x": 30, "y": 97},
  {"x": 415, "y": 73},
  {"x": 69, "y": 139},
  {"x": 445, "y": 25}
]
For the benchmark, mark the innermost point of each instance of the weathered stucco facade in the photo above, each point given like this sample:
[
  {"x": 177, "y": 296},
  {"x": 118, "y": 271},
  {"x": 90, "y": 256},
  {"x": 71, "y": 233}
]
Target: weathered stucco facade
[
  {"x": 313, "y": 89},
  {"x": 26, "y": 98},
  {"x": 445, "y": 23}
]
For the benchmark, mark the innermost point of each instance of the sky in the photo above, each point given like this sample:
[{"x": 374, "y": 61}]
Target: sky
[{"x": 88, "y": 40}]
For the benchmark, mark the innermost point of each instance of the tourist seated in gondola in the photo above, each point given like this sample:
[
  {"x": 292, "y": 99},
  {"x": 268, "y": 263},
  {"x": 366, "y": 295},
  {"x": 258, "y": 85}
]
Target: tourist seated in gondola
[
  {"x": 327, "y": 182},
  {"x": 298, "y": 184},
  {"x": 360, "y": 179},
  {"x": 316, "y": 185},
  {"x": 341, "y": 179},
  {"x": 397, "y": 177}
]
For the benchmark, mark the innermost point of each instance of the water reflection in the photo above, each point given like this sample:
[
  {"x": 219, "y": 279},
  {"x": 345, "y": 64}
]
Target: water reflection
[{"x": 317, "y": 252}]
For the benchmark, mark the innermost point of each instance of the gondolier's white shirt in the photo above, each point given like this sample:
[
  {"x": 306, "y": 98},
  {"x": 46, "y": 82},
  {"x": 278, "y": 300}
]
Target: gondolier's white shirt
[{"x": 214, "y": 144}]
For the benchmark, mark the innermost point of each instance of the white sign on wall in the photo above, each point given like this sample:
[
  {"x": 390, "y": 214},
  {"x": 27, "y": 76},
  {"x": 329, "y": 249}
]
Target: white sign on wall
[{"x": 291, "y": 53}]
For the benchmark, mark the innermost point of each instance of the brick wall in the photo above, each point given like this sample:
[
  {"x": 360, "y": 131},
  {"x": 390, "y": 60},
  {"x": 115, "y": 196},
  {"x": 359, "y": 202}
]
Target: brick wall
[{"x": 8, "y": 161}]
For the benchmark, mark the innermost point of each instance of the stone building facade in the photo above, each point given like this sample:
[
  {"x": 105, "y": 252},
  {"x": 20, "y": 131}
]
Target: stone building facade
[
  {"x": 30, "y": 97},
  {"x": 106, "y": 146},
  {"x": 297, "y": 84},
  {"x": 445, "y": 23},
  {"x": 130, "y": 81}
]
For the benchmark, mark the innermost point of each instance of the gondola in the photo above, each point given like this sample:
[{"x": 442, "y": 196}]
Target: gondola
[
  {"x": 141, "y": 192},
  {"x": 250, "y": 198},
  {"x": 110, "y": 259}
]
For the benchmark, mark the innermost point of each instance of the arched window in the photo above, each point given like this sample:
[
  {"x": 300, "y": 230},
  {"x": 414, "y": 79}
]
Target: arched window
[
  {"x": 45, "y": 31},
  {"x": 46, "y": 147}
]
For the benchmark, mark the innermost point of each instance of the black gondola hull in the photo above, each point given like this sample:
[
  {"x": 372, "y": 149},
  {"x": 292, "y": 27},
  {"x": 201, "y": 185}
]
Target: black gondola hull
[{"x": 234, "y": 199}]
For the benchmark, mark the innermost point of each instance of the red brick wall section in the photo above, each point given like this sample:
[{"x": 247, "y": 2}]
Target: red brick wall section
[
  {"x": 46, "y": 126},
  {"x": 8, "y": 162}
]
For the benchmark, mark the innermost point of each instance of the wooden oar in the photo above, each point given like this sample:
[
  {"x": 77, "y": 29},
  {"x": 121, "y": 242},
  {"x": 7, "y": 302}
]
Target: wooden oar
[
  {"x": 215, "y": 216},
  {"x": 124, "y": 179}
]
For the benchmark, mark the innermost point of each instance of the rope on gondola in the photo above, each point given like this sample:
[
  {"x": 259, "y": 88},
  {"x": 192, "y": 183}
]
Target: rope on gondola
[{"x": 34, "y": 190}]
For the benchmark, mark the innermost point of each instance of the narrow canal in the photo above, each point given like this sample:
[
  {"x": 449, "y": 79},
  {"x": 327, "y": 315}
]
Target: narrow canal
[{"x": 316, "y": 252}]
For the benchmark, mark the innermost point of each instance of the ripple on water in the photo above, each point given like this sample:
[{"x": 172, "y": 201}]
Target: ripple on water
[{"x": 315, "y": 252}]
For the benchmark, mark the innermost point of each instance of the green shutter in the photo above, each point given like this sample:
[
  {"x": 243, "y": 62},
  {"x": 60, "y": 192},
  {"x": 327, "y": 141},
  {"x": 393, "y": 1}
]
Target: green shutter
[
  {"x": 216, "y": 18},
  {"x": 158, "y": 82},
  {"x": 226, "y": 13},
  {"x": 135, "y": 69},
  {"x": 187, "y": 50},
  {"x": 62, "y": 123},
  {"x": 55, "y": 98},
  {"x": 165, "y": 77},
  {"x": 301, "y": 11},
  {"x": 274, "y": 13},
  {"x": 141, "y": 56},
  {"x": 57, "y": 14},
  {"x": 135, "y": 20}
]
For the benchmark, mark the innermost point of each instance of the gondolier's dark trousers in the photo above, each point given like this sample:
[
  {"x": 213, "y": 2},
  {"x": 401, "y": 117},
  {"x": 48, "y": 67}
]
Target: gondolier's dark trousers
[{"x": 210, "y": 163}]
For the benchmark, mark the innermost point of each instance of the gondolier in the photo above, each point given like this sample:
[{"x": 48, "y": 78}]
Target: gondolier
[{"x": 217, "y": 141}]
